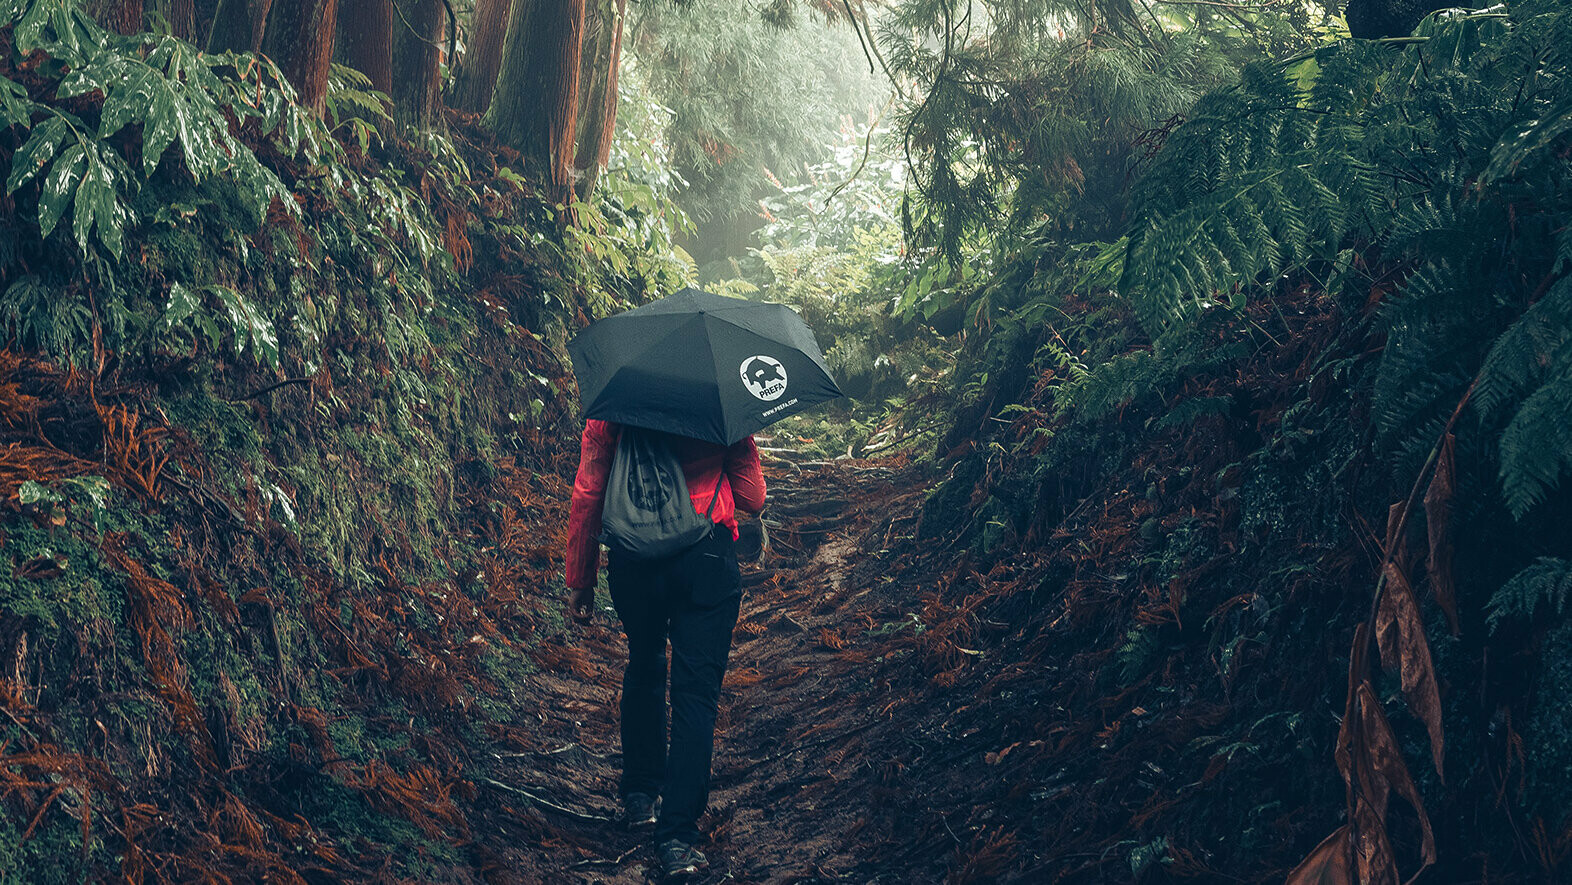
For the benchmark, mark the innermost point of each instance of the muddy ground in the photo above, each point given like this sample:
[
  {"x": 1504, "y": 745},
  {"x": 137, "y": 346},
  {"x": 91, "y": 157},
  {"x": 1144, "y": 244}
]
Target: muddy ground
[{"x": 800, "y": 792}]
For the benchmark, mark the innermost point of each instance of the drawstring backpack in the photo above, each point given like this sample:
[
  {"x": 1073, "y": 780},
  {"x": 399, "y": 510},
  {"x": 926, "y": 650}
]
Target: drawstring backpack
[{"x": 648, "y": 512}]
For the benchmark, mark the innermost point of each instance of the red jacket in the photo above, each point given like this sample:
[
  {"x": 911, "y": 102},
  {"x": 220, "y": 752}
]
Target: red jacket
[{"x": 702, "y": 464}]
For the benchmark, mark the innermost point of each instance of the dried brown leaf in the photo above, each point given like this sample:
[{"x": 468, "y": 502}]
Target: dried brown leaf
[
  {"x": 1384, "y": 769},
  {"x": 1438, "y": 522},
  {"x": 1400, "y": 634},
  {"x": 1329, "y": 864}
]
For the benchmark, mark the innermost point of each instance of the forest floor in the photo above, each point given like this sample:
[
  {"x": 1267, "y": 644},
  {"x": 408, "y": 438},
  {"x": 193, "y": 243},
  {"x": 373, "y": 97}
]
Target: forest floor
[{"x": 794, "y": 784}]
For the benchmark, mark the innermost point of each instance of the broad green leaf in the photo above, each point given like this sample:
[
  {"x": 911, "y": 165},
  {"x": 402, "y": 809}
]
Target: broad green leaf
[
  {"x": 60, "y": 187},
  {"x": 36, "y": 152},
  {"x": 103, "y": 74},
  {"x": 60, "y": 28},
  {"x": 96, "y": 488},
  {"x": 182, "y": 303},
  {"x": 32, "y": 492},
  {"x": 249, "y": 324},
  {"x": 98, "y": 205},
  {"x": 16, "y": 109}
]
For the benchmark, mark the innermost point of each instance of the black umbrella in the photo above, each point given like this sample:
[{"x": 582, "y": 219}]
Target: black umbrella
[{"x": 700, "y": 365}]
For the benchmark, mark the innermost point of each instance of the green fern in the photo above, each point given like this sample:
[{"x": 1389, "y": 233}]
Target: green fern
[
  {"x": 354, "y": 105},
  {"x": 1538, "y": 345},
  {"x": 37, "y": 316},
  {"x": 1547, "y": 583},
  {"x": 1416, "y": 160},
  {"x": 1536, "y": 447}
]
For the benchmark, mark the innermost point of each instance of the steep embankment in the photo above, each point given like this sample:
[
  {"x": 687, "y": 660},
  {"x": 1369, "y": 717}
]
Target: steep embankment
[{"x": 280, "y": 419}]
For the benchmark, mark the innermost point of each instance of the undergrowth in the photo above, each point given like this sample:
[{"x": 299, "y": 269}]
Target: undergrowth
[
  {"x": 1340, "y": 293},
  {"x": 280, "y": 406}
]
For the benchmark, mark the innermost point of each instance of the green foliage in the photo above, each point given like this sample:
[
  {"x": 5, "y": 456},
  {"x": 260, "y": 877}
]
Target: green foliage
[
  {"x": 1545, "y": 586},
  {"x": 186, "y": 310},
  {"x": 1029, "y": 110},
  {"x": 40, "y": 317},
  {"x": 173, "y": 94},
  {"x": 352, "y": 104},
  {"x": 1420, "y": 155},
  {"x": 745, "y": 96}
]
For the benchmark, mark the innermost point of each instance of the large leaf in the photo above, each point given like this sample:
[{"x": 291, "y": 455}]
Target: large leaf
[
  {"x": 58, "y": 27},
  {"x": 249, "y": 325},
  {"x": 1438, "y": 526},
  {"x": 16, "y": 109},
  {"x": 60, "y": 187},
  {"x": 35, "y": 153},
  {"x": 98, "y": 204},
  {"x": 1329, "y": 864},
  {"x": 1400, "y": 635}
]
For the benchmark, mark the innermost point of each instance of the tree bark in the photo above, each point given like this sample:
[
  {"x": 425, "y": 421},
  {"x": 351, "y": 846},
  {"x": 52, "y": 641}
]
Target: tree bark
[
  {"x": 238, "y": 26},
  {"x": 299, "y": 39},
  {"x": 120, "y": 16},
  {"x": 536, "y": 104},
  {"x": 365, "y": 40},
  {"x": 417, "y": 42},
  {"x": 597, "y": 112},
  {"x": 477, "y": 78},
  {"x": 182, "y": 19}
]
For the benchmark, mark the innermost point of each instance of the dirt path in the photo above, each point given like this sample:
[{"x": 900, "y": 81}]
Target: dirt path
[{"x": 792, "y": 790}]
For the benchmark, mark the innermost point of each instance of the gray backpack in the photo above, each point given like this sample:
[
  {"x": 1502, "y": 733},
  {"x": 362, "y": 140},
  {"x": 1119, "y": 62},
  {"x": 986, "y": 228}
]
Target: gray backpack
[{"x": 648, "y": 513}]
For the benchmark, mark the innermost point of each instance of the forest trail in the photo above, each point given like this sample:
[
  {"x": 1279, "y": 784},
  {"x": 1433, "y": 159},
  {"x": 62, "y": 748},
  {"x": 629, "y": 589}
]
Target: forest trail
[{"x": 792, "y": 776}]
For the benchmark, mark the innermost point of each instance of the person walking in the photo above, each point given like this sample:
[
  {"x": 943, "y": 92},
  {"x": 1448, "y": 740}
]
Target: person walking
[{"x": 688, "y": 599}]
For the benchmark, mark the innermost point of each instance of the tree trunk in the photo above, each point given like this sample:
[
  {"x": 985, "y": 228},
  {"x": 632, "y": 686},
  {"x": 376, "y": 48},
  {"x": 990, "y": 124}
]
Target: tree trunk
[
  {"x": 238, "y": 25},
  {"x": 120, "y": 16},
  {"x": 299, "y": 39},
  {"x": 182, "y": 19},
  {"x": 365, "y": 40},
  {"x": 597, "y": 91},
  {"x": 536, "y": 104},
  {"x": 417, "y": 41},
  {"x": 477, "y": 79}
]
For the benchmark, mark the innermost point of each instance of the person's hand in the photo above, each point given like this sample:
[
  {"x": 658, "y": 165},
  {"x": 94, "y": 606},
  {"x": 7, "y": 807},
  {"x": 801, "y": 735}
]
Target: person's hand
[{"x": 581, "y": 603}]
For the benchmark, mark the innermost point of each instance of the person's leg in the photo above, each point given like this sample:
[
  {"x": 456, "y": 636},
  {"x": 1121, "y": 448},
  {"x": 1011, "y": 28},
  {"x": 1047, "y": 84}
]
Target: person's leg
[
  {"x": 700, "y": 643},
  {"x": 636, "y": 592}
]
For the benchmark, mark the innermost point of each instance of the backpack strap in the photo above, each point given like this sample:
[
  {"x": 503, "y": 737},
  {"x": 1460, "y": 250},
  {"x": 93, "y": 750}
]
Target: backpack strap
[{"x": 710, "y": 513}]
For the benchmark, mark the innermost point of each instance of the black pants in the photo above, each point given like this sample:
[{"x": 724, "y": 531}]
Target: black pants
[{"x": 692, "y": 600}]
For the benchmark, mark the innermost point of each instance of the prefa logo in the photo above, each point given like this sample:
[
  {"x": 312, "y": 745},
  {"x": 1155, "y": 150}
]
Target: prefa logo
[{"x": 764, "y": 377}]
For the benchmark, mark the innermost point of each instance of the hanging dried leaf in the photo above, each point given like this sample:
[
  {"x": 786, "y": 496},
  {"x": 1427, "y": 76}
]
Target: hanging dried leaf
[
  {"x": 1328, "y": 864},
  {"x": 1438, "y": 522},
  {"x": 1400, "y": 634},
  {"x": 1383, "y": 767}
]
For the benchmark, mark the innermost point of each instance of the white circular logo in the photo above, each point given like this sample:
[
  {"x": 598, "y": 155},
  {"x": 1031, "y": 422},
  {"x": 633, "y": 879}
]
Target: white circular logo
[{"x": 764, "y": 377}]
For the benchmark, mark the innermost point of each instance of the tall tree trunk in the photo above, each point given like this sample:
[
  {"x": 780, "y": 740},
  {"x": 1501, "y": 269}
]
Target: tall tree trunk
[
  {"x": 238, "y": 26},
  {"x": 120, "y": 16},
  {"x": 417, "y": 41},
  {"x": 597, "y": 91},
  {"x": 365, "y": 40},
  {"x": 477, "y": 79},
  {"x": 182, "y": 19},
  {"x": 299, "y": 39},
  {"x": 536, "y": 104}
]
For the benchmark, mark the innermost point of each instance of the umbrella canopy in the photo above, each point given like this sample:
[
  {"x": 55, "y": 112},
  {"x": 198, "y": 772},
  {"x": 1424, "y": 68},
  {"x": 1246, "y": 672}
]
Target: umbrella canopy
[{"x": 700, "y": 365}]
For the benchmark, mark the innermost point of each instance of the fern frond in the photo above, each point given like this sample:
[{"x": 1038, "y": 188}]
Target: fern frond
[
  {"x": 1547, "y": 582},
  {"x": 1536, "y": 447},
  {"x": 1538, "y": 344}
]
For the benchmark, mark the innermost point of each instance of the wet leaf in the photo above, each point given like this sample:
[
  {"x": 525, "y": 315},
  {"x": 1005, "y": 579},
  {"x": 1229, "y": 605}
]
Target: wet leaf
[
  {"x": 1328, "y": 864},
  {"x": 1438, "y": 516},
  {"x": 1400, "y": 635}
]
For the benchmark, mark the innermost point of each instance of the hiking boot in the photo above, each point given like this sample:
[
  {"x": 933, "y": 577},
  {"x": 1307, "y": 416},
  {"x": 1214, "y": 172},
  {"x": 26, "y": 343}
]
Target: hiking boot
[
  {"x": 638, "y": 811},
  {"x": 679, "y": 861}
]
